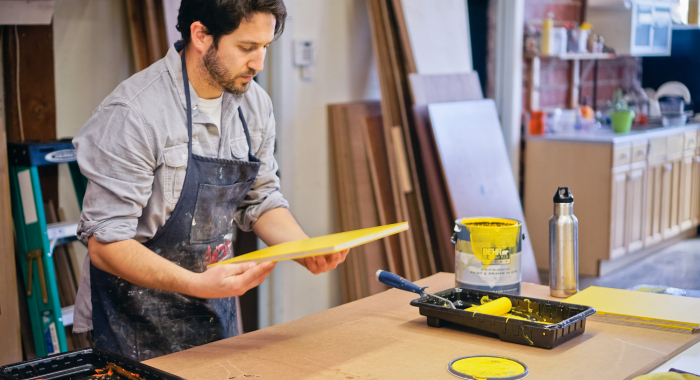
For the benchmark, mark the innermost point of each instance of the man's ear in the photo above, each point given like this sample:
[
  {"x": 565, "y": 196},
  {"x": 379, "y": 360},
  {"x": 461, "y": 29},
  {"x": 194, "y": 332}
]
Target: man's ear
[{"x": 199, "y": 37}]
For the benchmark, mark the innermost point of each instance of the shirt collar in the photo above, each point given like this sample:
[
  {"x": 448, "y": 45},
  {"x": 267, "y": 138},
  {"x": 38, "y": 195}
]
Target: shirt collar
[{"x": 173, "y": 62}]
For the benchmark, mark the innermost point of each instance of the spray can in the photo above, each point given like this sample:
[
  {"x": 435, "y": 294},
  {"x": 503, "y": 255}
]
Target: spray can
[{"x": 563, "y": 246}]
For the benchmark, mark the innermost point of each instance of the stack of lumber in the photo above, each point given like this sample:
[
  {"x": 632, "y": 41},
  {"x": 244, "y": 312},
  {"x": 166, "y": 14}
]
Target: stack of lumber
[{"x": 403, "y": 166}]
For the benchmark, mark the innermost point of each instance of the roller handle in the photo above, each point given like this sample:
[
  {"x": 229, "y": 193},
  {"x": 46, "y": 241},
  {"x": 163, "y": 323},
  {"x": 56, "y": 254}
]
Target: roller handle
[{"x": 398, "y": 282}]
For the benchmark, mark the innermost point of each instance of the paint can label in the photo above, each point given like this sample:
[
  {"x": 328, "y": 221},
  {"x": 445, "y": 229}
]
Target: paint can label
[{"x": 487, "y": 254}]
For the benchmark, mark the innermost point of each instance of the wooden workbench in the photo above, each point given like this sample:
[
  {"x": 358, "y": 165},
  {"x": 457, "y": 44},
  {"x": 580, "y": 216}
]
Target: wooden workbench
[{"x": 383, "y": 337}]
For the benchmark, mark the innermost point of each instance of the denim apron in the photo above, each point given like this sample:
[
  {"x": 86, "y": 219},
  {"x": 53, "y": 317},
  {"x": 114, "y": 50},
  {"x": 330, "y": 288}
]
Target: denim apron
[{"x": 143, "y": 323}]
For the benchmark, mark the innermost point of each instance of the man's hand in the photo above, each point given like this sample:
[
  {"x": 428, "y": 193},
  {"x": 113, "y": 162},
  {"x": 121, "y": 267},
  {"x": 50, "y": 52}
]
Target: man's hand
[
  {"x": 321, "y": 264},
  {"x": 137, "y": 264},
  {"x": 279, "y": 226},
  {"x": 229, "y": 280}
]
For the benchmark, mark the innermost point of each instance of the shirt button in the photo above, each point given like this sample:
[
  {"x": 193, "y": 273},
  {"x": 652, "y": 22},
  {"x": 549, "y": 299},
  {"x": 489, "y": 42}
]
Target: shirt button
[
  {"x": 184, "y": 155},
  {"x": 194, "y": 107}
]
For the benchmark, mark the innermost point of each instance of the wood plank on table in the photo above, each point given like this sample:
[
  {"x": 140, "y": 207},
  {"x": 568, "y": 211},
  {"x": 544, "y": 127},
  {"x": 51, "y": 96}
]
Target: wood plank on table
[
  {"x": 383, "y": 337},
  {"x": 475, "y": 166}
]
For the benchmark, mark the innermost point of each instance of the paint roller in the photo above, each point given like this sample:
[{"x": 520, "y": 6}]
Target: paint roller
[
  {"x": 399, "y": 282},
  {"x": 501, "y": 306}
]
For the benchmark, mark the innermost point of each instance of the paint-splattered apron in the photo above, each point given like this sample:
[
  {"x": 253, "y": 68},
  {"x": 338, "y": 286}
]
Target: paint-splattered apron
[{"x": 142, "y": 323}]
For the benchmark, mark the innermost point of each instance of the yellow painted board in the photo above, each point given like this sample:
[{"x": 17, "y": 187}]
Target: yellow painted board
[
  {"x": 660, "y": 309},
  {"x": 321, "y": 245}
]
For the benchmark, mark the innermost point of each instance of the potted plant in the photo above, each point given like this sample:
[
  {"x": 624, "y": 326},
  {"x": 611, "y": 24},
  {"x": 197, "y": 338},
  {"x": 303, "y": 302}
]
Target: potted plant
[{"x": 621, "y": 115}]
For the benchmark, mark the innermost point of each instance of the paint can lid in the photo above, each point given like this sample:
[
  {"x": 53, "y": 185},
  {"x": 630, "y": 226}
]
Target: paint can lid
[{"x": 488, "y": 367}]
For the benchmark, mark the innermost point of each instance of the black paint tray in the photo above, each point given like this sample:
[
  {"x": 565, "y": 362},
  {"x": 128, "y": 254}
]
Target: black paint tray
[
  {"x": 79, "y": 364},
  {"x": 567, "y": 320}
]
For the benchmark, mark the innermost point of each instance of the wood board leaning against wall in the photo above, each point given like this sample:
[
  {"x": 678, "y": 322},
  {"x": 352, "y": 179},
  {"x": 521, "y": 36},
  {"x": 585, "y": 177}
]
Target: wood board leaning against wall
[{"x": 400, "y": 153}]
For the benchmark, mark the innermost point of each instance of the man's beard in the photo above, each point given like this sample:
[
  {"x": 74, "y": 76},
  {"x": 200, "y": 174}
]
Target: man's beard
[{"x": 221, "y": 76}]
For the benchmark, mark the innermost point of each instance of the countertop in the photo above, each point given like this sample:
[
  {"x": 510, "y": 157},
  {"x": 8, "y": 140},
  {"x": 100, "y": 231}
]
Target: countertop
[
  {"x": 607, "y": 136},
  {"x": 383, "y": 337}
]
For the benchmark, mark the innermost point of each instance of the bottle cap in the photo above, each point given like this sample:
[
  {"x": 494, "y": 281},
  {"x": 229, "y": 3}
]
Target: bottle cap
[{"x": 563, "y": 195}]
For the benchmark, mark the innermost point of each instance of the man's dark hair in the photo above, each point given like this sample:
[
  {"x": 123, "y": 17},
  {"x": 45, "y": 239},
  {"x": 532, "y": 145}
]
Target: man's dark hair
[{"x": 222, "y": 17}]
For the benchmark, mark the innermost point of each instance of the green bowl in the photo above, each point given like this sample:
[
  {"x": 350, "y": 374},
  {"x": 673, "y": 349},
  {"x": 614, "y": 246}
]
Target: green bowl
[{"x": 622, "y": 121}]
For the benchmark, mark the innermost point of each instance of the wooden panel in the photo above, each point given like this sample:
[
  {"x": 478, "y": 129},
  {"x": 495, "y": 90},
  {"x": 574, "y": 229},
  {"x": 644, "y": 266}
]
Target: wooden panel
[
  {"x": 586, "y": 171},
  {"x": 443, "y": 218},
  {"x": 634, "y": 224},
  {"x": 439, "y": 36},
  {"x": 10, "y": 343},
  {"x": 441, "y": 88},
  {"x": 409, "y": 205},
  {"x": 617, "y": 214},
  {"x": 383, "y": 337},
  {"x": 685, "y": 217},
  {"x": 622, "y": 154},
  {"x": 355, "y": 195},
  {"x": 373, "y": 133},
  {"x": 695, "y": 197},
  {"x": 653, "y": 232},
  {"x": 476, "y": 167},
  {"x": 674, "y": 215},
  {"x": 666, "y": 198}
]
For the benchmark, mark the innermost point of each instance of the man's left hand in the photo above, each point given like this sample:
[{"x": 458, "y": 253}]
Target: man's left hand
[{"x": 321, "y": 264}]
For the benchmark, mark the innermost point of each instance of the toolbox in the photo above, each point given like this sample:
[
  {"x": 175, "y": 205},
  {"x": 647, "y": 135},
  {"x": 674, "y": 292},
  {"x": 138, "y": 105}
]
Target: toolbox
[
  {"x": 561, "y": 321},
  {"x": 81, "y": 364}
]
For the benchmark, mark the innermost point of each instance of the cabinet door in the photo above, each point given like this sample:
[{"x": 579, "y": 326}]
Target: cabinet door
[
  {"x": 675, "y": 225},
  {"x": 695, "y": 197},
  {"x": 652, "y": 222},
  {"x": 635, "y": 209},
  {"x": 685, "y": 217},
  {"x": 618, "y": 209},
  {"x": 667, "y": 200}
]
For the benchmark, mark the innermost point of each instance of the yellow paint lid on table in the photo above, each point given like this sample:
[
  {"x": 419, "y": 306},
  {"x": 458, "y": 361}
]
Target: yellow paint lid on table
[{"x": 486, "y": 367}]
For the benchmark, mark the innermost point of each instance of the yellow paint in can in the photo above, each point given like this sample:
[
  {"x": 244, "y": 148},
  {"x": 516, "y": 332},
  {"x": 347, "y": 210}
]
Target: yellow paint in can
[
  {"x": 490, "y": 235},
  {"x": 487, "y": 367}
]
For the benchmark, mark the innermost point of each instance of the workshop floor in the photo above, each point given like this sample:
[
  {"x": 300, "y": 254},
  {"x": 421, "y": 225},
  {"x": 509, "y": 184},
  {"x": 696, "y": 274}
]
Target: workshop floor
[{"x": 677, "y": 266}]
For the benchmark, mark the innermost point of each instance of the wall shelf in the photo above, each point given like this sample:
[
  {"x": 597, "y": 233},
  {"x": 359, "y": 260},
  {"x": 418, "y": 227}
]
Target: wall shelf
[{"x": 573, "y": 56}]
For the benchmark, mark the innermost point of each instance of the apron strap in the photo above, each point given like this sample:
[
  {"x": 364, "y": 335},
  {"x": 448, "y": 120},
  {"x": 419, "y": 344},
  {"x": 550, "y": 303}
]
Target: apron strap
[
  {"x": 245, "y": 130},
  {"x": 186, "y": 81}
]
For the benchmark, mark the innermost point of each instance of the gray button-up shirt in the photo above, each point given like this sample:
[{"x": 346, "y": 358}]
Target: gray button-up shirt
[{"x": 133, "y": 150}]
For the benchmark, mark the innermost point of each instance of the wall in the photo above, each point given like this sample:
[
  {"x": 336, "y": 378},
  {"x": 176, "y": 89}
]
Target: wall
[
  {"x": 344, "y": 72},
  {"x": 92, "y": 56},
  {"x": 612, "y": 74}
]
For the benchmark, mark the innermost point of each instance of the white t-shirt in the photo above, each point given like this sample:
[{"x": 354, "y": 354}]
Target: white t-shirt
[{"x": 212, "y": 108}]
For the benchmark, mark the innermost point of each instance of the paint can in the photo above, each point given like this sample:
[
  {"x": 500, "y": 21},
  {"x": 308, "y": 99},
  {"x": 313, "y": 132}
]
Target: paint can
[{"x": 488, "y": 254}]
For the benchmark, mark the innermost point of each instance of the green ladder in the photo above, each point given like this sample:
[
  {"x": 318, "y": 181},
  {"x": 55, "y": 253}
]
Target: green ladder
[{"x": 36, "y": 239}]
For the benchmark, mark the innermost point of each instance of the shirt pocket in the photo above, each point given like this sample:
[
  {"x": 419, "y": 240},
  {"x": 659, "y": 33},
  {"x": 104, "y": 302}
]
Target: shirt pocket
[
  {"x": 239, "y": 148},
  {"x": 175, "y": 167}
]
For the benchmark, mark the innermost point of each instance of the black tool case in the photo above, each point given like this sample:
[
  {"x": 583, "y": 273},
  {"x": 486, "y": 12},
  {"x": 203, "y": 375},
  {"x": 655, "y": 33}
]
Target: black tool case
[
  {"x": 77, "y": 365},
  {"x": 567, "y": 320}
]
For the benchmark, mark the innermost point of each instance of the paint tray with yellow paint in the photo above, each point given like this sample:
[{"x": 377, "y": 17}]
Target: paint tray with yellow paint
[
  {"x": 529, "y": 321},
  {"x": 318, "y": 246},
  {"x": 641, "y": 309}
]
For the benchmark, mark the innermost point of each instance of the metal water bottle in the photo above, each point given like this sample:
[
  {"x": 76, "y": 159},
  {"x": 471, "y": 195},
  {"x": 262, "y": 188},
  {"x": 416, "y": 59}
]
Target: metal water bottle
[{"x": 563, "y": 246}]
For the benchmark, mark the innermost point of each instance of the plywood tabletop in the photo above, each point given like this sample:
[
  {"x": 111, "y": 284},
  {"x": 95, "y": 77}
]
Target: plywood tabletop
[{"x": 383, "y": 337}]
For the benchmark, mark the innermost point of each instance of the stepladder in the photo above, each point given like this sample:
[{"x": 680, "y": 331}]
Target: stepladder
[{"x": 37, "y": 239}]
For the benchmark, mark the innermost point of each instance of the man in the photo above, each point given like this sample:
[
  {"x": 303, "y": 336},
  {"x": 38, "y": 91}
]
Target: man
[{"x": 174, "y": 156}]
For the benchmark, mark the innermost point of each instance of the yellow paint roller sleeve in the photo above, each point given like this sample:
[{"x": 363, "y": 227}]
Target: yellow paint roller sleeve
[
  {"x": 317, "y": 246},
  {"x": 496, "y": 307}
]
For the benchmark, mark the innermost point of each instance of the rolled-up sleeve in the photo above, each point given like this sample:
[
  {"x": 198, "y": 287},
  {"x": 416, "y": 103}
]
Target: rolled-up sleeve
[
  {"x": 265, "y": 193},
  {"x": 115, "y": 152}
]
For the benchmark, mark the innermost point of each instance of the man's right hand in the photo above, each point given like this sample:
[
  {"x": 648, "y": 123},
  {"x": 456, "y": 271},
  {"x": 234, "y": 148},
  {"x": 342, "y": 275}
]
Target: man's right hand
[
  {"x": 229, "y": 280},
  {"x": 139, "y": 265}
]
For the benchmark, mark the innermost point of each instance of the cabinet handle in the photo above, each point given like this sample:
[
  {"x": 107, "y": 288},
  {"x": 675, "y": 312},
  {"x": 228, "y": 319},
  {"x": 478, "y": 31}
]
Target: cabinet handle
[
  {"x": 624, "y": 156},
  {"x": 691, "y": 141},
  {"x": 668, "y": 167}
]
